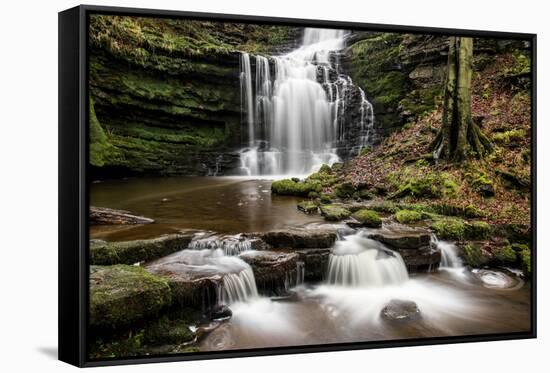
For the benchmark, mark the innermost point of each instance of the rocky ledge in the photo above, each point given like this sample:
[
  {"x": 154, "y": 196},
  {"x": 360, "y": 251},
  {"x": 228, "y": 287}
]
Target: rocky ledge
[
  {"x": 136, "y": 251},
  {"x": 274, "y": 271},
  {"x": 107, "y": 216}
]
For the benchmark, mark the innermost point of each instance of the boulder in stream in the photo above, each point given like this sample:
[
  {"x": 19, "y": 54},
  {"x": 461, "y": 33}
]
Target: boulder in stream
[
  {"x": 400, "y": 310},
  {"x": 136, "y": 251},
  {"x": 121, "y": 295},
  {"x": 274, "y": 271},
  {"x": 299, "y": 238}
]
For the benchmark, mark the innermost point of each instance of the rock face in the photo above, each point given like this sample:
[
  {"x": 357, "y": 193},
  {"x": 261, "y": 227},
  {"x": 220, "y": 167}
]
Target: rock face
[
  {"x": 107, "y": 216},
  {"x": 121, "y": 295},
  {"x": 400, "y": 310},
  {"x": 298, "y": 238},
  {"x": 413, "y": 244},
  {"x": 130, "y": 252},
  {"x": 315, "y": 263},
  {"x": 274, "y": 272},
  {"x": 165, "y": 93}
]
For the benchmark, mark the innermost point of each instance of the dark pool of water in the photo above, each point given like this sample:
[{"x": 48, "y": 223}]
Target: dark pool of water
[{"x": 221, "y": 204}]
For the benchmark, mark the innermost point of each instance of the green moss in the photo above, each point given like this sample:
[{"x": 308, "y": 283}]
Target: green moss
[
  {"x": 431, "y": 185},
  {"x": 128, "y": 344},
  {"x": 471, "y": 211},
  {"x": 478, "y": 230},
  {"x": 326, "y": 198},
  {"x": 309, "y": 207},
  {"x": 474, "y": 256},
  {"x": 363, "y": 194},
  {"x": 505, "y": 255},
  {"x": 167, "y": 331},
  {"x": 368, "y": 218},
  {"x": 344, "y": 190},
  {"x": 366, "y": 150},
  {"x": 514, "y": 136},
  {"x": 334, "y": 212},
  {"x": 408, "y": 216},
  {"x": 101, "y": 150},
  {"x": 450, "y": 229},
  {"x": 289, "y": 187},
  {"x": 525, "y": 257},
  {"x": 121, "y": 295}
]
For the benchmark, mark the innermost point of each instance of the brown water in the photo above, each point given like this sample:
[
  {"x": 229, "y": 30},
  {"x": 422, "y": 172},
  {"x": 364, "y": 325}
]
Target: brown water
[
  {"x": 221, "y": 204},
  {"x": 331, "y": 314}
]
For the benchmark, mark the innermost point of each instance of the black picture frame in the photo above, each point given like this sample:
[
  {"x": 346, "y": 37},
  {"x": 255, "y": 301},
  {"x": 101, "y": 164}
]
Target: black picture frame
[{"x": 74, "y": 184}]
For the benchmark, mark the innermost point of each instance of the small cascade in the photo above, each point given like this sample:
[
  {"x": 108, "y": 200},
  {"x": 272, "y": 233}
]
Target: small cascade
[
  {"x": 449, "y": 256},
  {"x": 238, "y": 287},
  {"x": 298, "y": 108},
  {"x": 359, "y": 261},
  {"x": 300, "y": 272},
  {"x": 230, "y": 245}
]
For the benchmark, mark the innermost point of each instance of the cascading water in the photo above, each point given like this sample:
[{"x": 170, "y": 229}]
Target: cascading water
[
  {"x": 230, "y": 245},
  {"x": 295, "y": 110},
  {"x": 450, "y": 261},
  {"x": 359, "y": 261},
  {"x": 238, "y": 287}
]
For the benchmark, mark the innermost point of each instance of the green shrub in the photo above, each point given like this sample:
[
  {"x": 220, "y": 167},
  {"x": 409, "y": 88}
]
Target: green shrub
[
  {"x": 408, "y": 216},
  {"x": 368, "y": 218}
]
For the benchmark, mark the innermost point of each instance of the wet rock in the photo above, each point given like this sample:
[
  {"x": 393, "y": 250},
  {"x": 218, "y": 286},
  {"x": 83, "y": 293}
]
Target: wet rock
[
  {"x": 221, "y": 312},
  {"x": 299, "y": 238},
  {"x": 402, "y": 237},
  {"x": 121, "y": 295},
  {"x": 400, "y": 310},
  {"x": 424, "y": 259},
  {"x": 169, "y": 331},
  {"x": 308, "y": 207},
  {"x": 274, "y": 271},
  {"x": 107, "y": 216},
  {"x": 315, "y": 263},
  {"x": 130, "y": 252},
  {"x": 192, "y": 285}
]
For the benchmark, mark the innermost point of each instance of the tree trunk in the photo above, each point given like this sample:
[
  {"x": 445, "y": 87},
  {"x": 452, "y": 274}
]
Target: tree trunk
[{"x": 459, "y": 135}]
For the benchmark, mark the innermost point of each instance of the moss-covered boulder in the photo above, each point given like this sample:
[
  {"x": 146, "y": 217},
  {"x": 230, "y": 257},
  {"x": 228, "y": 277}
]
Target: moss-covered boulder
[
  {"x": 121, "y": 295},
  {"x": 478, "y": 230},
  {"x": 334, "y": 212},
  {"x": 136, "y": 251},
  {"x": 408, "y": 216},
  {"x": 308, "y": 207},
  {"x": 167, "y": 330},
  {"x": 474, "y": 256},
  {"x": 450, "y": 229},
  {"x": 505, "y": 255},
  {"x": 368, "y": 218},
  {"x": 295, "y": 187}
]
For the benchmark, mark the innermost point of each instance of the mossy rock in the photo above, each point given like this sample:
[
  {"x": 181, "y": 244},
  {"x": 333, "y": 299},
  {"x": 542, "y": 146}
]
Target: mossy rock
[
  {"x": 450, "y": 229},
  {"x": 344, "y": 190},
  {"x": 136, "y": 251},
  {"x": 121, "y": 295},
  {"x": 471, "y": 211},
  {"x": 433, "y": 185},
  {"x": 408, "y": 216},
  {"x": 368, "y": 218},
  {"x": 293, "y": 187},
  {"x": 168, "y": 331},
  {"x": 505, "y": 255},
  {"x": 484, "y": 186},
  {"x": 326, "y": 198},
  {"x": 474, "y": 256},
  {"x": 363, "y": 194},
  {"x": 334, "y": 212},
  {"x": 309, "y": 207},
  {"x": 478, "y": 230},
  {"x": 525, "y": 259}
]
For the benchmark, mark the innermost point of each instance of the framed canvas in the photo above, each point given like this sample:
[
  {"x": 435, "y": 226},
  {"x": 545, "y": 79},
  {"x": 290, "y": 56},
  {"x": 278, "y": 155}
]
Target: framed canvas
[{"x": 235, "y": 186}]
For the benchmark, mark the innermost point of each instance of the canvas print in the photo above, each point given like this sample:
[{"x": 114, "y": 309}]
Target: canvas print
[{"x": 256, "y": 185}]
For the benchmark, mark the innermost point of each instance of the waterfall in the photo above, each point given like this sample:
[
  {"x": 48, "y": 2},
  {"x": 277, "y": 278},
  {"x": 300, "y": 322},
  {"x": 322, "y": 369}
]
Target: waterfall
[
  {"x": 230, "y": 245},
  {"x": 449, "y": 256},
  {"x": 295, "y": 111},
  {"x": 300, "y": 272},
  {"x": 359, "y": 261},
  {"x": 238, "y": 287}
]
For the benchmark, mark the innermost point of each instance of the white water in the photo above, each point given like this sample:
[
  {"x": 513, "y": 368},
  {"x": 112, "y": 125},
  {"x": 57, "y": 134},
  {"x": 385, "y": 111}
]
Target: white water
[
  {"x": 450, "y": 261},
  {"x": 359, "y": 261},
  {"x": 230, "y": 245},
  {"x": 295, "y": 116},
  {"x": 238, "y": 287}
]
